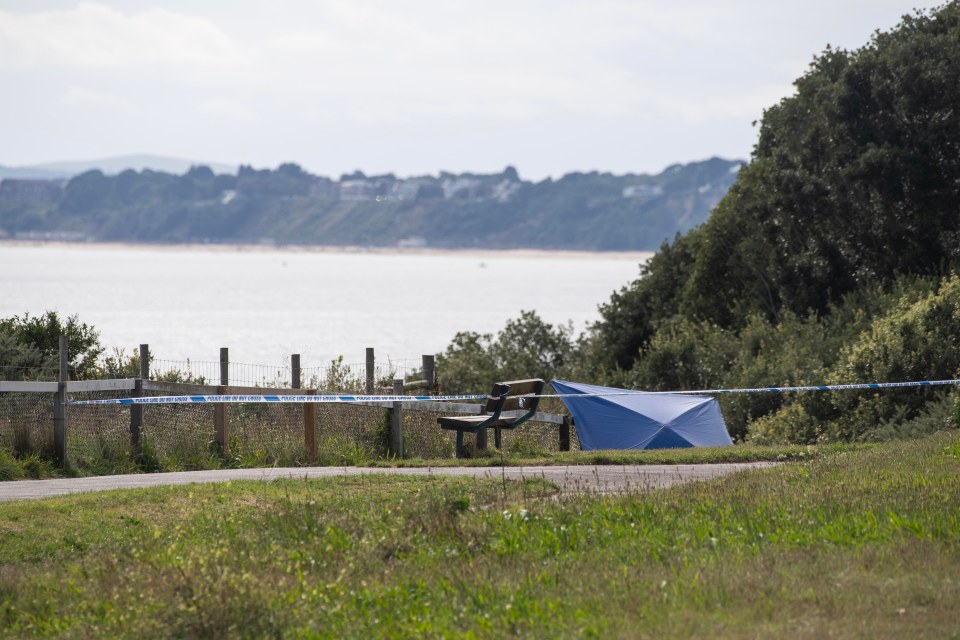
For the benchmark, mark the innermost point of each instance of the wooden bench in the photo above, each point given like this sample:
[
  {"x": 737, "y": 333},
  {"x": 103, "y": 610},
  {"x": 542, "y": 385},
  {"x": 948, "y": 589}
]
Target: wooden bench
[{"x": 506, "y": 396}]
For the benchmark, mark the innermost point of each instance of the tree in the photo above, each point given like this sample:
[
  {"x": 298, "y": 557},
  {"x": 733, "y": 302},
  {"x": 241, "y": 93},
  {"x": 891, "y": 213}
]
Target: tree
[
  {"x": 526, "y": 347},
  {"x": 632, "y": 315},
  {"x": 30, "y": 346},
  {"x": 854, "y": 182}
]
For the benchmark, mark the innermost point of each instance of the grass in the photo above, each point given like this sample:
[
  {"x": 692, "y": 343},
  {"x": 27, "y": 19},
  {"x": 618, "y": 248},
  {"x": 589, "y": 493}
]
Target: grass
[
  {"x": 30, "y": 466},
  {"x": 693, "y": 455},
  {"x": 860, "y": 543}
]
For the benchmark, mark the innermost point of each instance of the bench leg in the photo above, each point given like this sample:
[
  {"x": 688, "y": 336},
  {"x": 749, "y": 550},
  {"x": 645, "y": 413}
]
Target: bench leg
[
  {"x": 459, "y": 444},
  {"x": 496, "y": 438},
  {"x": 482, "y": 439}
]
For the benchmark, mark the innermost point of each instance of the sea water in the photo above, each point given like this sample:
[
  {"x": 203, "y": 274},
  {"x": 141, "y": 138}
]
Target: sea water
[{"x": 267, "y": 303}]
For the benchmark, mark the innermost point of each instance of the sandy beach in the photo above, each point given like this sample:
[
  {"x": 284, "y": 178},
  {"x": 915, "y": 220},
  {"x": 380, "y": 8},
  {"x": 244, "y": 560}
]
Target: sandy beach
[{"x": 566, "y": 254}]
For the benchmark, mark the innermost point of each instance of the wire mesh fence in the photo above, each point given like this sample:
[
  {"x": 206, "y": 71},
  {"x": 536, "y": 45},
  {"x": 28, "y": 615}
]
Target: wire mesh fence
[
  {"x": 98, "y": 438},
  {"x": 334, "y": 376},
  {"x": 26, "y": 423},
  {"x": 184, "y": 436}
]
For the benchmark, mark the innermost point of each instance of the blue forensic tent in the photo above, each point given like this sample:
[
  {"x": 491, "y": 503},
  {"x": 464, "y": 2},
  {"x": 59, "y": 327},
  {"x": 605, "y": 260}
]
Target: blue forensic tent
[{"x": 639, "y": 420}]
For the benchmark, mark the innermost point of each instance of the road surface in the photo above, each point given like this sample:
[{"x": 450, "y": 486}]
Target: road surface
[{"x": 571, "y": 479}]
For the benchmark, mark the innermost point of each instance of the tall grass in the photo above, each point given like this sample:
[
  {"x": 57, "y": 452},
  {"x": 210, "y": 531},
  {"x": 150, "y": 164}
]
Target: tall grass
[{"x": 859, "y": 543}]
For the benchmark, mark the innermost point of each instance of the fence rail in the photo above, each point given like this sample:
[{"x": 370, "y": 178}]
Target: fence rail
[{"x": 406, "y": 429}]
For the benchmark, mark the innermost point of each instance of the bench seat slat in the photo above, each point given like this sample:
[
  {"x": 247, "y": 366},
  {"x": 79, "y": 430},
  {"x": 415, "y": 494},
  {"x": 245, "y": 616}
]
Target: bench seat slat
[{"x": 469, "y": 423}]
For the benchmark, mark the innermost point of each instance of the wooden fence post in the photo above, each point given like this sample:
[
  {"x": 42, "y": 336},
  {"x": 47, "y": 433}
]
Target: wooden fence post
[
  {"x": 430, "y": 373},
  {"x": 370, "y": 366},
  {"x": 295, "y": 381},
  {"x": 136, "y": 410},
  {"x": 221, "y": 423},
  {"x": 309, "y": 412},
  {"x": 396, "y": 421},
  {"x": 565, "y": 434},
  {"x": 60, "y": 407}
]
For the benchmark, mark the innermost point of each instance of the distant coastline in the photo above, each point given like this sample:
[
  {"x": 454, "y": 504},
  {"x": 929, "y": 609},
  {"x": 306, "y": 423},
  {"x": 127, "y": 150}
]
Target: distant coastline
[
  {"x": 636, "y": 256},
  {"x": 288, "y": 207}
]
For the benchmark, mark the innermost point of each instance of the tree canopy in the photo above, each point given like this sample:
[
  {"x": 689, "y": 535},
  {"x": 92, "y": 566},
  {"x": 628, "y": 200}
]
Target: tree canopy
[
  {"x": 854, "y": 182},
  {"x": 30, "y": 347}
]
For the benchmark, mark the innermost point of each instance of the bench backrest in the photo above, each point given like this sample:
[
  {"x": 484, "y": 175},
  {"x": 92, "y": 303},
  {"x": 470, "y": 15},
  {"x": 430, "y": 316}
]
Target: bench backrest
[
  {"x": 495, "y": 401},
  {"x": 518, "y": 393}
]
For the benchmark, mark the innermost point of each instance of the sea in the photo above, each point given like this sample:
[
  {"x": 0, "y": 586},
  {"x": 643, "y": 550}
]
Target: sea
[{"x": 265, "y": 303}]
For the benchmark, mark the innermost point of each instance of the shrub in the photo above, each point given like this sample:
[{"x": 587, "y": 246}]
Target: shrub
[
  {"x": 912, "y": 342},
  {"x": 790, "y": 425},
  {"x": 9, "y": 467}
]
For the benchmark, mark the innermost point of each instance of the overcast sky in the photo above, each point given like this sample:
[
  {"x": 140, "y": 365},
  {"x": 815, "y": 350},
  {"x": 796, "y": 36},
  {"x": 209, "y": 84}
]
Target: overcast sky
[{"x": 409, "y": 87}]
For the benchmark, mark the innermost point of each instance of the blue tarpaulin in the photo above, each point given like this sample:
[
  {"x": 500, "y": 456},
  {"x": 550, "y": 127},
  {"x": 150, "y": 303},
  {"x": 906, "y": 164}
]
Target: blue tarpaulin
[{"x": 642, "y": 420}]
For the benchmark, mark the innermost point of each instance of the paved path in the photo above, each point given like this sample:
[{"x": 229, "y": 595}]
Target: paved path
[{"x": 572, "y": 479}]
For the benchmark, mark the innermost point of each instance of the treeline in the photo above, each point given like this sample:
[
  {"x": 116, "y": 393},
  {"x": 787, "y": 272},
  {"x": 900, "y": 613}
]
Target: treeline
[
  {"x": 832, "y": 259},
  {"x": 585, "y": 211}
]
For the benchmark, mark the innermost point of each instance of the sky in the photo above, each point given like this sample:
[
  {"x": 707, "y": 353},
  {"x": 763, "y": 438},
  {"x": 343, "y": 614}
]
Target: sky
[{"x": 410, "y": 88}]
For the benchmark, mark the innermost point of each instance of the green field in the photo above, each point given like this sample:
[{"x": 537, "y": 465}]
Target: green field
[{"x": 853, "y": 543}]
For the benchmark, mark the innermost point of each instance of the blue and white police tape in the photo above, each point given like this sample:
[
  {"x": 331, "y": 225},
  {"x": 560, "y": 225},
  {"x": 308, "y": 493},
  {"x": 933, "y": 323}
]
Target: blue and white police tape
[
  {"x": 310, "y": 399},
  {"x": 823, "y": 387},
  {"x": 297, "y": 399},
  {"x": 836, "y": 387}
]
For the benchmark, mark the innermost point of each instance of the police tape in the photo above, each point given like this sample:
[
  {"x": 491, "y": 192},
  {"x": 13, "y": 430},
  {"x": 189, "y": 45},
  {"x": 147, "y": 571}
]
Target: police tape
[
  {"x": 291, "y": 399},
  {"x": 823, "y": 387},
  {"x": 325, "y": 399}
]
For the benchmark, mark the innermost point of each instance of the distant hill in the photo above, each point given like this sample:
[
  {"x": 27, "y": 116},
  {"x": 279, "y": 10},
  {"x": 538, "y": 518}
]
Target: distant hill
[
  {"x": 586, "y": 211},
  {"x": 109, "y": 166}
]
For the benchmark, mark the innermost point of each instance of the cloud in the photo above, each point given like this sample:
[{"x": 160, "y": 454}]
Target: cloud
[
  {"x": 101, "y": 99},
  {"x": 96, "y": 36},
  {"x": 228, "y": 109},
  {"x": 743, "y": 106},
  {"x": 381, "y": 63},
  {"x": 535, "y": 76}
]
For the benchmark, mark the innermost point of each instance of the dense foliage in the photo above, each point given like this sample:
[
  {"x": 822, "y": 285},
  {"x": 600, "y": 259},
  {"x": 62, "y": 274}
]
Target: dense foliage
[
  {"x": 830, "y": 259},
  {"x": 30, "y": 347},
  {"x": 588, "y": 211},
  {"x": 526, "y": 347}
]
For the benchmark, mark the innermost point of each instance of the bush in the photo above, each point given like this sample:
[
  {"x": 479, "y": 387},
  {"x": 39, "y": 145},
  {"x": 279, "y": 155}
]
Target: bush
[
  {"x": 685, "y": 355},
  {"x": 908, "y": 341},
  {"x": 30, "y": 347},
  {"x": 9, "y": 467},
  {"x": 790, "y": 425},
  {"x": 912, "y": 342},
  {"x": 526, "y": 347},
  {"x": 937, "y": 415}
]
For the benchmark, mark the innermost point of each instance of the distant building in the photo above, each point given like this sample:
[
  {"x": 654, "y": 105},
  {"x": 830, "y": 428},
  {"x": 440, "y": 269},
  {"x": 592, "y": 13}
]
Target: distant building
[
  {"x": 325, "y": 188},
  {"x": 358, "y": 190},
  {"x": 417, "y": 189},
  {"x": 376, "y": 188},
  {"x": 51, "y": 236},
  {"x": 504, "y": 190},
  {"x": 643, "y": 191},
  {"x": 31, "y": 190},
  {"x": 462, "y": 188},
  {"x": 413, "y": 242}
]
